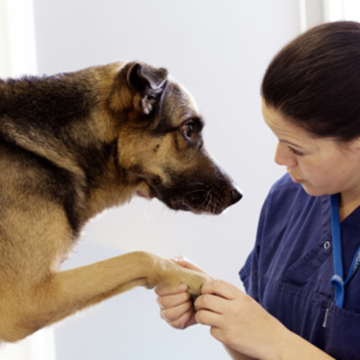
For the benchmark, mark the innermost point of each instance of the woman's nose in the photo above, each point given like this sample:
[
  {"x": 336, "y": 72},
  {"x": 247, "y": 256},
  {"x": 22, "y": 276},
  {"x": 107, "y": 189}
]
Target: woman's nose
[{"x": 284, "y": 156}]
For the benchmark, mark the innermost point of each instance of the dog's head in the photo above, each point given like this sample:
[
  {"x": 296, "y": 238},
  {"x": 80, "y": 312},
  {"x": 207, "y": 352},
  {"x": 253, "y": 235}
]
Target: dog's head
[{"x": 161, "y": 152}]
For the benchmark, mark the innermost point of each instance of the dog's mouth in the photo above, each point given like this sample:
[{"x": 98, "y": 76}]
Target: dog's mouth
[
  {"x": 197, "y": 198},
  {"x": 183, "y": 207},
  {"x": 144, "y": 190},
  {"x": 141, "y": 194},
  {"x": 180, "y": 205},
  {"x": 147, "y": 191}
]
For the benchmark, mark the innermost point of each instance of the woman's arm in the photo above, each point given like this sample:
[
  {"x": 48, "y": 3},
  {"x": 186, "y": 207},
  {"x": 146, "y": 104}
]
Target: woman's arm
[
  {"x": 236, "y": 355},
  {"x": 245, "y": 327}
]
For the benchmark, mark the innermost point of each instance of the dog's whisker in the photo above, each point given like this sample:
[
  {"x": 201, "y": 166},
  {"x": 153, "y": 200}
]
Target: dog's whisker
[
  {"x": 206, "y": 201},
  {"x": 194, "y": 191}
]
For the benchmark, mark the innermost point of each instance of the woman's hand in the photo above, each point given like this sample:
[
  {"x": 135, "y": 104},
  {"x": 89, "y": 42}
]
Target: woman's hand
[
  {"x": 242, "y": 324},
  {"x": 237, "y": 320},
  {"x": 176, "y": 305}
]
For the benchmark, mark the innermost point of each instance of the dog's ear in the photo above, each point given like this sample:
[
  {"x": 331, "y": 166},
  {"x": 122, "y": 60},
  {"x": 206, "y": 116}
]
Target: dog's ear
[{"x": 148, "y": 83}]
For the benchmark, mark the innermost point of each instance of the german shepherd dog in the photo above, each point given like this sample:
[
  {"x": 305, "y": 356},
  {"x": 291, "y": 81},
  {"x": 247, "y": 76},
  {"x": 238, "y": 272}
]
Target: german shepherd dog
[{"x": 74, "y": 144}]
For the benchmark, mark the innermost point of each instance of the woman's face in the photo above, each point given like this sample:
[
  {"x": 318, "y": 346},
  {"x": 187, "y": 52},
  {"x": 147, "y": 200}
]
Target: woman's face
[{"x": 321, "y": 165}]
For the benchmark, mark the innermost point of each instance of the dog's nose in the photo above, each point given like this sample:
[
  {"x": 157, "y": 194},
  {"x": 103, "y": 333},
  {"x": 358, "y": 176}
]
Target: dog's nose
[{"x": 236, "y": 195}]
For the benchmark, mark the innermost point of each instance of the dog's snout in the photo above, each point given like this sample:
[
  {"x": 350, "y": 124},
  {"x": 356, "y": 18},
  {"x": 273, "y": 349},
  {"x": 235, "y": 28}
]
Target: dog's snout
[{"x": 236, "y": 195}]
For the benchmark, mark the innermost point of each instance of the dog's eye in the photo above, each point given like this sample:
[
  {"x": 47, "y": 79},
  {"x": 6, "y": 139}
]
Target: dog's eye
[
  {"x": 191, "y": 130},
  {"x": 188, "y": 129}
]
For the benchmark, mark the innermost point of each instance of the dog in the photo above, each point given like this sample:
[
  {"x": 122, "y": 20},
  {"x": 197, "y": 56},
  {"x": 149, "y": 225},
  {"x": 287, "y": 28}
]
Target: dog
[{"x": 74, "y": 144}]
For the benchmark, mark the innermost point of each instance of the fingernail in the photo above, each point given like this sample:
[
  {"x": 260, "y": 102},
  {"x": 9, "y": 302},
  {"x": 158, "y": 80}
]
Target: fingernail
[
  {"x": 179, "y": 258},
  {"x": 183, "y": 287}
]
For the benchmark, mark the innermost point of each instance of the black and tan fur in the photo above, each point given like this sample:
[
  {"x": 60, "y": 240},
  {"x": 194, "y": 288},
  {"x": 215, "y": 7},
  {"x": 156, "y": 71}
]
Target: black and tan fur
[{"x": 72, "y": 145}]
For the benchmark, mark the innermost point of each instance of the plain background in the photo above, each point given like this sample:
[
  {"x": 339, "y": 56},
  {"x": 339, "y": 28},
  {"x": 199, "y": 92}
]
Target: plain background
[{"x": 219, "y": 50}]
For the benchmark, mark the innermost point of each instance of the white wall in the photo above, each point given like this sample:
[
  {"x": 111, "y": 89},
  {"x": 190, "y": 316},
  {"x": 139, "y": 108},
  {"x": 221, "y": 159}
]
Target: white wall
[
  {"x": 17, "y": 57},
  {"x": 219, "y": 50},
  {"x": 17, "y": 38}
]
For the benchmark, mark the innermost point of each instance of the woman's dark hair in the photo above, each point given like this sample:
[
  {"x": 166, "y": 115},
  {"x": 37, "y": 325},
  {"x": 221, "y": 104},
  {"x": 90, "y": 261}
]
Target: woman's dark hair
[{"x": 315, "y": 81}]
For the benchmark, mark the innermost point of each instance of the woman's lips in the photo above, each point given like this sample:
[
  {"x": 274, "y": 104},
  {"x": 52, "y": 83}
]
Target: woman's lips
[{"x": 296, "y": 180}]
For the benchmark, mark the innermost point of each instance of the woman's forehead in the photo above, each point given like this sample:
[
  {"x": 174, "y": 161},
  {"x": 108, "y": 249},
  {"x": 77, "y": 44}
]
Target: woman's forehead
[
  {"x": 279, "y": 124},
  {"x": 294, "y": 135},
  {"x": 288, "y": 132}
]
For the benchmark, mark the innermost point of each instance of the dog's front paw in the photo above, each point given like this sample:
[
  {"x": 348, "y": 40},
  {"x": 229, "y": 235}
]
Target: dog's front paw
[
  {"x": 195, "y": 282},
  {"x": 173, "y": 275}
]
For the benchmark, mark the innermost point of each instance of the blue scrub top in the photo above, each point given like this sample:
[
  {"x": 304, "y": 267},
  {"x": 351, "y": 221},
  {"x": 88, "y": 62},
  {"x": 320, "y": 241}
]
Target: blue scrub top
[{"x": 290, "y": 268}]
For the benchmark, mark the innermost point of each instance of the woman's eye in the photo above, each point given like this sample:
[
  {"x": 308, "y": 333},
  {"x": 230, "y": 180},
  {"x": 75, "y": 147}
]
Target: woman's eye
[{"x": 295, "y": 151}]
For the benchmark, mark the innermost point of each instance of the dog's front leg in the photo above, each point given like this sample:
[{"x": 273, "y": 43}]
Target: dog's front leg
[{"x": 64, "y": 293}]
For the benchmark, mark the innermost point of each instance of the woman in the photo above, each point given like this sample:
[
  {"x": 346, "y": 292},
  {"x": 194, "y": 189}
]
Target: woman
[{"x": 302, "y": 281}]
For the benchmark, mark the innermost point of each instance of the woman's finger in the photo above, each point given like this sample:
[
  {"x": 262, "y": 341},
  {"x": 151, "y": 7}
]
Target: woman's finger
[
  {"x": 173, "y": 300},
  {"x": 210, "y": 318},
  {"x": 221, "y": 288},
  {"x": 184, "y": 321},
  {"x": 211, "y": 302},
  {"x": 172, "y": 314}
]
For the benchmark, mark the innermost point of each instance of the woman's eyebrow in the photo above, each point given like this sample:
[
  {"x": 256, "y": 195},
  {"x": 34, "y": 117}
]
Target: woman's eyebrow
[{"x": 290, "y": 143}]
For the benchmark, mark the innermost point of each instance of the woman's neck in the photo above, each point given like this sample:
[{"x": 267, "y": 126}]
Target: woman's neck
[{"x": 348, "y": 202}]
